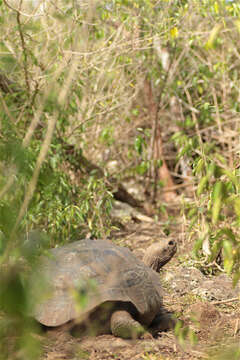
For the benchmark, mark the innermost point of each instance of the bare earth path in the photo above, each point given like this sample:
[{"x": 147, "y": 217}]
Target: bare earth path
[{"x": 204, "y": 304}]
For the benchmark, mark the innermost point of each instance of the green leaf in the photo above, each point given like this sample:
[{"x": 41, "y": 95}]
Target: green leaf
[
  {"x": 192, "y": 212},
  {"x": 228, "y": 249},
  {"x": 184, "y": 151},
  {"x": 202, "y": 185},
  {"x": 213, "y": 36},
  {"x": 228, "y": 265},
  {"x": 197, "y": 246},
  {"x": 228, "y": 252},
  {"x": 177, "y": 135},
  {"x": 217, "y": 195},
  {"x": 229, "y": 233},
  {"x": 192, "y": 337},
  {"x": 142, "y": 168},
  {"x": 232, "y": 177},
  {"x": 237, "y": 206},
  {"x": 199, "y": 166},
  {"x": 135, "y": 112},
  {"x": 138, "y": 144},
  {"x": 236, "y": 278},
  {"x": 215, "y": 249},
  {"x": 211, "y": 168}
]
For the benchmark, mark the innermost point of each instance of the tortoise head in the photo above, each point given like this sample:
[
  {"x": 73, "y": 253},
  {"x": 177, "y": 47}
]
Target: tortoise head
[{"x": 159, "y": 254}]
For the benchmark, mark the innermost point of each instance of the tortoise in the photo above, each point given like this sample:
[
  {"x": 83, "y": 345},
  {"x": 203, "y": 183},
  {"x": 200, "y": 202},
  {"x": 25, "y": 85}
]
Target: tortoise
[{"x": 98, "y": 280}]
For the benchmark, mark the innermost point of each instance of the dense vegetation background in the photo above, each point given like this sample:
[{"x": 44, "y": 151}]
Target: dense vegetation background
[{"x": 97, "y": 95}]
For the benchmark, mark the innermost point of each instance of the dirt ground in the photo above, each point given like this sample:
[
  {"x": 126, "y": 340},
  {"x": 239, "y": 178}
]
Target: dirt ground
[{"x": 206, "y": 306}]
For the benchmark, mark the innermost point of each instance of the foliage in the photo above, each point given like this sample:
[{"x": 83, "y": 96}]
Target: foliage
[
  {"x": 184, "y": 334},
  {"x": 72, "y": 76},
  {"x": 207, "y": 136}
]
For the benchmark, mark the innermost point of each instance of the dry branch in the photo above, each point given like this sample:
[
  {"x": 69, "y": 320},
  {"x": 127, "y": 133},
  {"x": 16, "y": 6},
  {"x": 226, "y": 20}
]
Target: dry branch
[{"x": 156, "y": 151}]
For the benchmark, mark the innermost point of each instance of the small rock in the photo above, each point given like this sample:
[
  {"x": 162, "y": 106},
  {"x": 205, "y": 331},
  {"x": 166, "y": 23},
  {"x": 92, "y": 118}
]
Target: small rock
[{"x": 125, "y": 212}]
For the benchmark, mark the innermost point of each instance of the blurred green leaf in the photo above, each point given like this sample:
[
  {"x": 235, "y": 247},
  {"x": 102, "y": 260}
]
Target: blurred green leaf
[
  {"x": 237, "y": 206},
  {"x": 12, "y": 294},
  {"x": 138, "y": 144},
  {"x": 202, "y": 185},
  {"x": 213, "y": 36},
  {"x": 217, "y": 196}
]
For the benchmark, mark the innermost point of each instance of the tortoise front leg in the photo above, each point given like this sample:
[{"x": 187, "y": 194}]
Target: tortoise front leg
[
  {"x": 124, "y": 326},
  {"x": 162, "y": 322}
]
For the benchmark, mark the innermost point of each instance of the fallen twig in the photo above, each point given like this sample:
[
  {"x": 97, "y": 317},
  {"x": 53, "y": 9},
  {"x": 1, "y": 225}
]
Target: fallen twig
[{"x": 225, "y": 301}]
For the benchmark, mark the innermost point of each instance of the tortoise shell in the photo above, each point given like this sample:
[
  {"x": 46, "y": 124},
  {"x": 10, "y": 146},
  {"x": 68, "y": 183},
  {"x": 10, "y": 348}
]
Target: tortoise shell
[{"x": 95, "y": 272}]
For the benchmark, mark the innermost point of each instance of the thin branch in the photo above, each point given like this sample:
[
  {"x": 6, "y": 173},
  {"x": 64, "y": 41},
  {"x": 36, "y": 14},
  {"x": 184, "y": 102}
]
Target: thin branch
[
  {"x": 33, "y": 182},
  {"x": 225, "y": 301},
  {"x": 7, "y": 186},
  {"x": 25, "y": 56},
  {"x": 21, "y": 12},
  {"x": 107, "y": 111},
  {"x": 176, "y": 187},
  {"x": 39, "y": 162},
  {"x": 214, "y": 95},
  {"x": 8, "y": 113}
]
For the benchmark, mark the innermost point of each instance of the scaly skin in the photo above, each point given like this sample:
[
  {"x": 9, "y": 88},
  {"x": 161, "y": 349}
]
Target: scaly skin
[{"x": 124, "y": 326}]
